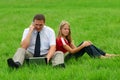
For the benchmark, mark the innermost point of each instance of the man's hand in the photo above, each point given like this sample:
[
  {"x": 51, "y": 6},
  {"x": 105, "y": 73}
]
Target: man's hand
[
  {"x": 51, "y": 52},
  {"x": 25, "y": 43},
  {"x": 48, "y": 59},
  {"x": 32, "y": 27}
]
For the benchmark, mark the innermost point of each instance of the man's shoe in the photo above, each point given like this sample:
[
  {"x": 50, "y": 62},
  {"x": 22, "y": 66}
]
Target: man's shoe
[
  {"x": 60, "y": 66},
  {"x": 13, "y": 64}
]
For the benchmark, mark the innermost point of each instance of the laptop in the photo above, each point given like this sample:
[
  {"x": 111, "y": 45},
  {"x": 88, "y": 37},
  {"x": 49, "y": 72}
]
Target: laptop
[{"x": 37, "y": 60}]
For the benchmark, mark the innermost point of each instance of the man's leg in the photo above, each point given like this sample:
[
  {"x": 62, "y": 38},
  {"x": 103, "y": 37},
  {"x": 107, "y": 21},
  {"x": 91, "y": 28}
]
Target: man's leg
[
  {"x": 27, "y": 56},
  {"x": 18, "y": 58},
  {"x": 58, "y": 59}
]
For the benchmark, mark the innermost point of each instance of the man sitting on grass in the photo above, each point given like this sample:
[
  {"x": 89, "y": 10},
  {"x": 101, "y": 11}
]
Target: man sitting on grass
[{"x": 38, "y": 41}]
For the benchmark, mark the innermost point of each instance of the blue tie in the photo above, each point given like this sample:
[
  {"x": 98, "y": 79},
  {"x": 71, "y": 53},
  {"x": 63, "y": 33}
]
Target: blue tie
[{"x": 37, "y": 46}]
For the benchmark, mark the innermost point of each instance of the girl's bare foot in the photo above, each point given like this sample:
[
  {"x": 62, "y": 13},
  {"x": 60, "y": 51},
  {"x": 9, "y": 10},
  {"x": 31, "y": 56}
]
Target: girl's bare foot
[
  {"x": 104, "y": 56},
  {"x": 111, "y": 55}
]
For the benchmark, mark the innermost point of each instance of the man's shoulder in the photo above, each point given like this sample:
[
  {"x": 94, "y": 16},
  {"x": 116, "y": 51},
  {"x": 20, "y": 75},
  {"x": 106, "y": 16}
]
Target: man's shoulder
[
  {"x": 48, "y": 28},
  {"x": 26, "y": 29}
]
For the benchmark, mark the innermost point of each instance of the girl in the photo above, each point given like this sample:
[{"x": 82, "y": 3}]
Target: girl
[{"x": 64, "y": 44}]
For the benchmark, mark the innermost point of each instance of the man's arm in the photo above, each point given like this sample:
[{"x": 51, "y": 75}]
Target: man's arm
[
  {"x": 52, "y": 43},
  {"x": 25, "y": 43},
  {"x": 51, "y": 52}
]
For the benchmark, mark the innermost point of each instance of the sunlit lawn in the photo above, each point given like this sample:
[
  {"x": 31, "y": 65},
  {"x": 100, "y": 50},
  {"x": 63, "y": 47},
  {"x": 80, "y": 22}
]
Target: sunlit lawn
[{"x": 95, "y": 20}]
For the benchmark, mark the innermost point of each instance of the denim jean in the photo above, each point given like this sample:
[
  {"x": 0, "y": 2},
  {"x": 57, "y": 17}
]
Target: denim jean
[{"x": 91, "y": 50}]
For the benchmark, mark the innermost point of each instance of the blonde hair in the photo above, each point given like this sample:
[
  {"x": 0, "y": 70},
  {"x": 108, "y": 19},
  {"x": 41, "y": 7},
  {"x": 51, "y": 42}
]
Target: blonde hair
[{"x": 60, "y": 33}]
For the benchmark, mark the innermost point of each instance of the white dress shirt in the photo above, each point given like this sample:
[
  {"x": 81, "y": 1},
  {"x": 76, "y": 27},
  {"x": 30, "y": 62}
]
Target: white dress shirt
[{"x": 47, "y": 38}]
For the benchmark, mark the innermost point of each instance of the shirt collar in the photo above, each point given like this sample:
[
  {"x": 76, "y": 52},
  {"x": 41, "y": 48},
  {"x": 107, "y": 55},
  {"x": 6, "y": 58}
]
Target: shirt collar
[{"x": 35, "y": 31}]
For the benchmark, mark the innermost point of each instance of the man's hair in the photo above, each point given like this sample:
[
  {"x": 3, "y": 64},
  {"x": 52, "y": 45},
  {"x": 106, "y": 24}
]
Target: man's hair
[{"x": 39, "y": 17}]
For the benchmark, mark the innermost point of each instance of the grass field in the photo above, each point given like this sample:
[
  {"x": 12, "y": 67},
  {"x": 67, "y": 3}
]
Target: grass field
[{"x": 95, "y": 20}]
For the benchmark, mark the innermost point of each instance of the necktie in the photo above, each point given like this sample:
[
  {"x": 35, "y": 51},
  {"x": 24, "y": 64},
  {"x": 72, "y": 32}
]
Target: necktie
[{"x": 37, "y": 46}]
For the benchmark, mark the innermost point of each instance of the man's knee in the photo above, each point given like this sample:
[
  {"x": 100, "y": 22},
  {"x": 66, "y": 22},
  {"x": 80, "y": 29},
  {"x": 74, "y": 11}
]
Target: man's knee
[{"x": 58, "y": 58}]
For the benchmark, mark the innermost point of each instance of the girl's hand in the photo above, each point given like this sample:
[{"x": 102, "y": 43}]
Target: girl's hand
[{"x": 86, "y": 43}]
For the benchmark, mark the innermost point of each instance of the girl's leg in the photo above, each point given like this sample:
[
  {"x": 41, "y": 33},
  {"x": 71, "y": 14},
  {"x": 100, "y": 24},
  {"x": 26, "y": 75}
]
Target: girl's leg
[
  {"x": 68, "y": 57},
  {"x": 94, "y": 51},
  {"x": 99, "y": 50},
  {"x": 80, "y": 53},
  {"x": 91, "y": 51},
  {"x": 76, "y": 55}
]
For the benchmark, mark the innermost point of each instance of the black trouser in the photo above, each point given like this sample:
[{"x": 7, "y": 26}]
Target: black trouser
[{"x": 91, "y": 50}]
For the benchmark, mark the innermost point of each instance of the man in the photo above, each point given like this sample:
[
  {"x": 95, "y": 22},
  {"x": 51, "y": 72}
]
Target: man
[{"x": 38, "y": 40}]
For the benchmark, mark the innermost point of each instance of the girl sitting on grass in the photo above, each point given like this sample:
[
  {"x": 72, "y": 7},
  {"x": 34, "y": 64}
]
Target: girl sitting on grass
[{"x": 64, "y": 44}]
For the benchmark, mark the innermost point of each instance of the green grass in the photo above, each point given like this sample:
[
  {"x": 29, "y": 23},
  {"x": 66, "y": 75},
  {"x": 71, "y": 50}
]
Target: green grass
[{"x": 95, "y": 20}]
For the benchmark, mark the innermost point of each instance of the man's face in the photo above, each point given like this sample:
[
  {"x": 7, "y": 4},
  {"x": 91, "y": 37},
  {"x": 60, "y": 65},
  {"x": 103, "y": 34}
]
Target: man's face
[{"x": 38, "y": 24}]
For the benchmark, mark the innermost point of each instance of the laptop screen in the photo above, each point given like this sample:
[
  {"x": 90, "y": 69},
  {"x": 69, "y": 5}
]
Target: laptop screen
[{"x": 37, "y": 60}]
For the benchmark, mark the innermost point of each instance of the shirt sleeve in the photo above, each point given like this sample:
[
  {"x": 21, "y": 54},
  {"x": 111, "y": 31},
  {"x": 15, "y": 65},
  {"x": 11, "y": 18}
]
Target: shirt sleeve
[
  {"x": 52, "y": 38},
  {"x": 60, "y": 42},
  {"x": 63, "y": 41},
  {"x": 25, "y": 34}
]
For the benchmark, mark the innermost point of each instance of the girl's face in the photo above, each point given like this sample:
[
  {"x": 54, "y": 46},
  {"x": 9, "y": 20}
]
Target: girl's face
[{"x": 65, "y": 30}]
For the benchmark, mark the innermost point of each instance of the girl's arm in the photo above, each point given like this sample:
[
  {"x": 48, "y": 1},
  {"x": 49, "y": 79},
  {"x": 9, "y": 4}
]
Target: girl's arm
[
  {"x": 76, "y": 49},
  {"x": 72, "y": 45}
]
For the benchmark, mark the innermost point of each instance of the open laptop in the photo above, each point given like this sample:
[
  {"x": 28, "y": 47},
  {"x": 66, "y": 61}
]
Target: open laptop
[{"x": 37, "y": 60}]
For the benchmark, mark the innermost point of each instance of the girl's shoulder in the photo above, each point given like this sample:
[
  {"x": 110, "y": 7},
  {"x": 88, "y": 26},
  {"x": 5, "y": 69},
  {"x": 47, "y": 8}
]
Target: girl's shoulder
[{"x": 60, "y": 38}]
